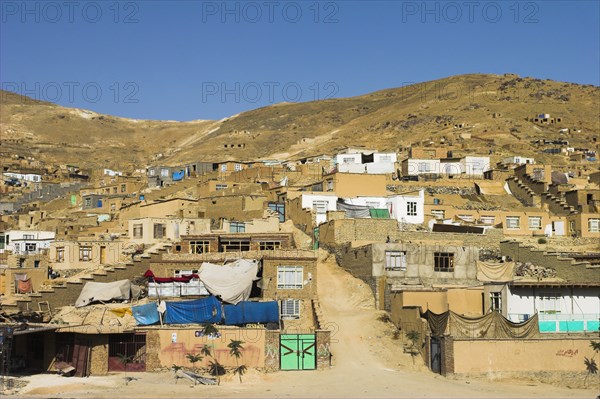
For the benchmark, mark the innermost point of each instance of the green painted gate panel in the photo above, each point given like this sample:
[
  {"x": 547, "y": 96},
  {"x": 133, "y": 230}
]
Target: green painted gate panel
[
  {"x": 316, "y": 238},
  {"x": 298, "y": 352}
]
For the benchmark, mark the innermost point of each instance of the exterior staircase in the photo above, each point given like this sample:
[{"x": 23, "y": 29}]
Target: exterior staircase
[{"x": 67, "y": 293}]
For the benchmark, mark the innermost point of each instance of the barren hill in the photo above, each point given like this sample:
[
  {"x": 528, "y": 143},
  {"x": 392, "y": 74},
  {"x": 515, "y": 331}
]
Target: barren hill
[{"x": 494, "y": 109}]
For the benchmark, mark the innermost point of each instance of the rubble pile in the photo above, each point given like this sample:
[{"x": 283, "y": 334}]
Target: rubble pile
[{"x": 530, "y": 270}]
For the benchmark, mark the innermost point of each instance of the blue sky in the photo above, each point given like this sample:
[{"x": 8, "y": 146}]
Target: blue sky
[{"x": 184, "y": 60}]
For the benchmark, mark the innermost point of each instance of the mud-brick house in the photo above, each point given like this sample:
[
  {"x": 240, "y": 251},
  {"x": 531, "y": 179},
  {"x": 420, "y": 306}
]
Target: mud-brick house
[
  {"x": 151, "y": 230},
  {"x": 23, "y": 274},
  {"x": 86, "y": 253},
  {"x": 233, "y": 242},
  {"x": 393, "y": 267}
]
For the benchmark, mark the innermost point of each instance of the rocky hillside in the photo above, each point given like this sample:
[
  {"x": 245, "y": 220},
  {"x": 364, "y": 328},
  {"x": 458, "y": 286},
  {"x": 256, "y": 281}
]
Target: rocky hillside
[{"x": 493, "y": 109}]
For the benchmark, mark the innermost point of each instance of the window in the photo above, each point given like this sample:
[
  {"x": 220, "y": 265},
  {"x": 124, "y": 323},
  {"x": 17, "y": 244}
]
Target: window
[
  {"x": 60, "y": 254},
  {"x": 496, "y": 301},
  {"x": 372, "y": 204},
  {"x": 30, "y": 246},
  {"x": 513, "y": 222},
  {"x": 330, "y": 185},
  {"x": 290, "y": 277},
  {"x": 535, "y": 223},
  {"x": 181, "y": 273},
  {"x": 594, "y": 225},
  {"x": 550, "y": 303},
  {"x": 220, "y": 187},
  {"x": 466, "y": 218},
  {"x": 269, "y": 245},
  {"x": 114, "y": 189},
  {"x": 113, "y": 206},
  {"x": 237, "y": 167},
  {"x": 164, "y": 172},
  {"x": 87, "y": 201},
  {"x": 237, "y": 227},
  {"x": 199, "y": 247},
  {"x": 424, "y": 167},
  {"x": 488, "y": 219},
  {"x": 138, "y": 231},
  {"x": 28, "y": 237},
  {"x": 347, "y": 160},
  {"x": 438, "y": 213},
  {"x": 224, "y": 168},
  {"x": 151, "y": 172},
  {"x": 320, "y": 206},
  {"x": 411, "y": 208},
  {"x": 234, "y": 245},
  {"x": 290, "y": 309},
  {"x": 2, "y": 241},
  {"x": 385, "y": 158},
  {"x": 123, "y": 188},
  {"x": 443, "y": 262},
  {"x": 36, "y": 264},
  {"x": 395, "y": 260},
  {"x": 85, "y": 253},
  {"x": 160, "y": 230}
]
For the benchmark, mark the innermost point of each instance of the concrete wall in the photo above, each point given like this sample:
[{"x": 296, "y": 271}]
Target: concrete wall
[
  {"x": 527, "y": 355},
  {"x": 167, "y": 346},
  {"x": 112, "y": 254}
]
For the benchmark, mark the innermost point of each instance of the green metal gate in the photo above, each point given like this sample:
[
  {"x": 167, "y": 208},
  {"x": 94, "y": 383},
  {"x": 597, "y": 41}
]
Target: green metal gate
[{"x": 298, "y": 352}]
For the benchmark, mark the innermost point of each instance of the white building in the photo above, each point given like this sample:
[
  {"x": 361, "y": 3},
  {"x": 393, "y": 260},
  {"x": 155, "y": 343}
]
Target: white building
[
  {"x": 365, "y": 161},
  {"x": 467, "y": 166},
  {"x": 320, "y": 204},
  {"x": 25, "y": 242},
  {"x": 561, "y": 307},
  {"x": 406, "y": 208},
  {"x": 28, "y": 177},
  {"x": 515, "y": 159},
  {"x": 151, "y": 230}
]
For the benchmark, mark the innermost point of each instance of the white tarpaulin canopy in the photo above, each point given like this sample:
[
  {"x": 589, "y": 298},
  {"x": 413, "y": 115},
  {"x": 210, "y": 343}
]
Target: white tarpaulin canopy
[
  {"x": 231, "y": 282},
  {"x": 92, "y": 292}
]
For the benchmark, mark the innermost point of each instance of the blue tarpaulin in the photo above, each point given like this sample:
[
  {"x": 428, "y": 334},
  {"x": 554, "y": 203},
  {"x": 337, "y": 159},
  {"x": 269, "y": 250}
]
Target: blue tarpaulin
[
  {"x": 145, "y": 314},
  {"x": 251, "y": 312},
  {"x": 206, "y": 310},
  {"x": 178, "y": 175}
]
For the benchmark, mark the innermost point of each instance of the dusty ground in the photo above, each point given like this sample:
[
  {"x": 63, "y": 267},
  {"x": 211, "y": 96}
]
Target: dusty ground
[{"x": 367, "y": 363}]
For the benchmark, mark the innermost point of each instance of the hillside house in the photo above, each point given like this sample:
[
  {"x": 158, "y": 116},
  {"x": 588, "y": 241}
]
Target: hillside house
[{"x": 25, "y": 242}]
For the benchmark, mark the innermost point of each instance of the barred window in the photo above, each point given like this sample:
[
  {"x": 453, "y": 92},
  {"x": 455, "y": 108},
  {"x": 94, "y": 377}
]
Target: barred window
[
  {"x": 443, "y": 262},
  {"x": 290, "y": 309},
  {"x": 138, "y": 230}
]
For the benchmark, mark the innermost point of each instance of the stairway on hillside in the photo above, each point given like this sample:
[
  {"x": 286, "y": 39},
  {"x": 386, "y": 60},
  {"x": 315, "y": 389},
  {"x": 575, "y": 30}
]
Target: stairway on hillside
[{"x": 66, "y": 294}]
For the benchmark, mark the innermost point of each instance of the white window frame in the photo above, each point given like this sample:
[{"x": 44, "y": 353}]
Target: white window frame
[
  {"x": 594, "y": 225},
  {"x": 395, "y": 260},
  {"x": 85, "y": 253},
  {"x": 224, "y": 168},
  {"x": 348, "y": 160},
  {"x": 320, "y": 206},
  {"x": 290, "y": 309},
  {"x": 496, "y": 301},
  {"x": 488, "y": 219},
  {"x": 138, "y": 230},
  {"x": 537, "y": 225},
  {"x": 237, "y": 167},
  {"x": 30, "y": 247},
  {"x": 164, "y": 172},
  {"x": 438, "y": 213},
  {"x": 513, "y": 222},
  {"x": 60, "y": 254},
  {"x": 295, "y": 280}
]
